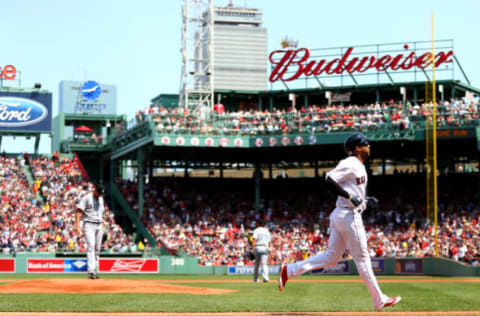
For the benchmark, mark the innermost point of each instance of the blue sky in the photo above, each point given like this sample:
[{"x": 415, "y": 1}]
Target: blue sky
[{"x": 135, "y": 45}]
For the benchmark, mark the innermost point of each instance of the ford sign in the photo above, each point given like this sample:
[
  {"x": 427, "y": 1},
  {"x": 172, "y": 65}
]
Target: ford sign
[{"x": 19, "y": 112}]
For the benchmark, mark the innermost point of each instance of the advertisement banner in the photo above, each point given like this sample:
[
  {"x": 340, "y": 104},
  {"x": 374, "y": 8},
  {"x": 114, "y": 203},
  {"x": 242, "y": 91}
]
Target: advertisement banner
[
  {"x": 75, "y": 265},
  {"x": 7, "y": 265},
  {"x": 25, "y": 111},
  {"x": 249, "y": 270},
  {"x": 56, "y": 265},
  {"x": 340, "y": 268},
  {"x": 88, "y": 96},
  {"x": 128, "y": 266},
  {"x": 409, "y": 266},
  {"x": 378, "y": 266}
]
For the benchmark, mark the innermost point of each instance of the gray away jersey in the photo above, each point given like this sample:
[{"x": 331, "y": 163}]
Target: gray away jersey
[
  {"x": 92, "y": 208},
  {"x": 262, "y": 236}
]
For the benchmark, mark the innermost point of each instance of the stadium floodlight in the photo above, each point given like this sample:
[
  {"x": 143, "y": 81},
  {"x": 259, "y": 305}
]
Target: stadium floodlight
[{"x": 196, "y": 86}]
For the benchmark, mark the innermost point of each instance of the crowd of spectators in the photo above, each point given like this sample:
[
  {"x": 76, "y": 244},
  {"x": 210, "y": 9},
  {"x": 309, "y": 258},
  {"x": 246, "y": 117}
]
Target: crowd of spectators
[
  {"x": 62, "y": 185},
  {"x": 311, "y": 119},
  {"x": 215, "y": 224},
  {"x": 40, "y": 217},
  {"x": 23, "y": 219}
]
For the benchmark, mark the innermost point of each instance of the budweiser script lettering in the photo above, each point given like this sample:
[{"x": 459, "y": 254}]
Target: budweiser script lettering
[
  {"x": 291, "y": 64},
  {"x": 131, "y": 265},
  {"x": 6, "y": 114}
]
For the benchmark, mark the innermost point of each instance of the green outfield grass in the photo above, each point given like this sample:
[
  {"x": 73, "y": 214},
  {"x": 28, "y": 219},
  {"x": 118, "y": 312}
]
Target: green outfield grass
[{"x": 338, "y": 296}]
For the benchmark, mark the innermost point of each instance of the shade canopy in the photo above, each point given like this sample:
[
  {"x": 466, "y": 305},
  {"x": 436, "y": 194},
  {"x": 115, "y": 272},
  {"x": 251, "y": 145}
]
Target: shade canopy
[{"x": 83, "y": 128}]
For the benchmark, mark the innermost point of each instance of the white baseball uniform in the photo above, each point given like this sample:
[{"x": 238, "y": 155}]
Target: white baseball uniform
[
  {"x": 92, "y": 210},
  {"x": 262, "y": 239},
  {"x": 346, "y": 230}
]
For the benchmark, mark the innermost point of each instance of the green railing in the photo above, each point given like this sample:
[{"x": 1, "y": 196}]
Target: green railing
[
  {"x": 141, "y": 229},
  {"x": 287, "y": 129}
]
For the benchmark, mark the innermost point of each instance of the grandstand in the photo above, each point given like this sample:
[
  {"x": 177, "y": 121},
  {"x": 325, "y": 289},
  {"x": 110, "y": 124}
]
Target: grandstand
[{"x": 262, "y": 135}]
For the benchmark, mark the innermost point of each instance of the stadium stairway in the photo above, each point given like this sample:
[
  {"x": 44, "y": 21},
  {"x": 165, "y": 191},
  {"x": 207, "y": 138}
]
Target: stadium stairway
[
  {"x": 31, "y": 182},
  {"x": 141, "y": 229}
]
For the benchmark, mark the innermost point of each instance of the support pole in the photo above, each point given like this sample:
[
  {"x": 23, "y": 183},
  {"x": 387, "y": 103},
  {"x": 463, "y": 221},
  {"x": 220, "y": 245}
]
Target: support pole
[
  {"x": 434, "y": 138},
  {"x": 113, "y": 164},
  {"x": 150, "y": 169},
  {"x": 185, "y": 172},
  {"x": 101, "y": 171},
  {"x": 141, "y": 180},
  {"x": 258, "y": 178},
  {"x": 37, "y": 143}
]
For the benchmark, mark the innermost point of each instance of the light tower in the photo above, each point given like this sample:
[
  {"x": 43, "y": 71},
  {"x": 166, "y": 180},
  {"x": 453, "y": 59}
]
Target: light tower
[{"x": 196, "y": 85}]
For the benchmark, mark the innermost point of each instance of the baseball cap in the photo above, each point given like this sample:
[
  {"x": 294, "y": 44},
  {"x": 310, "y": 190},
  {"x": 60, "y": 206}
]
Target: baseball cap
[{"x": 100, "y": 189}]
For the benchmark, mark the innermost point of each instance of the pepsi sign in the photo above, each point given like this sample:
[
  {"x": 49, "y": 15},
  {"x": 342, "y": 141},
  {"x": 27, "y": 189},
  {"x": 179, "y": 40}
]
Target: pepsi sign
[{"x": 25, "y": 111}]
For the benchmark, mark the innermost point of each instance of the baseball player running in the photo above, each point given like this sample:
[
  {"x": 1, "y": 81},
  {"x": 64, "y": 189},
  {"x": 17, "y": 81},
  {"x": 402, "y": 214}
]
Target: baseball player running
[
  {"x": 349, "y": 180},
  {"x": 261, "y": 240},
  {"x": 92, "y": 208}
]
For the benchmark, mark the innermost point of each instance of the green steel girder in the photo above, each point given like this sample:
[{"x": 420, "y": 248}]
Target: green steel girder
[{"x": 132, "y": 139}]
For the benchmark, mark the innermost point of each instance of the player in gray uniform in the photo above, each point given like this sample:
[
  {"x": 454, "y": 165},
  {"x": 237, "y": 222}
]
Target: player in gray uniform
[
  {"x": 349, "y": 181},
  {"x": 261, "y": 242},
  {"x": 91, "y": 208}
]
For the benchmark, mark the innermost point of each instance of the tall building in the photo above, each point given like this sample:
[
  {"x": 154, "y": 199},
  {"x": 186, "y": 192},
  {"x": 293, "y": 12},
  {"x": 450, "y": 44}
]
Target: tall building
[
  {"x": 239, "y": 49},
  {"x": 223, "y": 48}
]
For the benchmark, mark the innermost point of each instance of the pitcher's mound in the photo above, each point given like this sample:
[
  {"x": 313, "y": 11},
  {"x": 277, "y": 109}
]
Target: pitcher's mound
[{"x": 103, "y": 286}]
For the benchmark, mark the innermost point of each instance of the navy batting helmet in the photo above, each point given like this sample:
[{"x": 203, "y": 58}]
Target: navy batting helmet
[{"x": 353, "y": 141}]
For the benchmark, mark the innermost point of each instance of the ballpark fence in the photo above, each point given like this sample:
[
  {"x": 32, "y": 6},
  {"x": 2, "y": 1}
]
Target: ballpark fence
[{"x": 50, "y": 263}]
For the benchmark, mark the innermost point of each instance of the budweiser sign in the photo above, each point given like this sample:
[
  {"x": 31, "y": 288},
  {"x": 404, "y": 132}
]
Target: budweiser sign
[
  {"x": 288, "y": 65},
  {"x": 8, "y": 72},
  {"x": 128, "y": 265}
]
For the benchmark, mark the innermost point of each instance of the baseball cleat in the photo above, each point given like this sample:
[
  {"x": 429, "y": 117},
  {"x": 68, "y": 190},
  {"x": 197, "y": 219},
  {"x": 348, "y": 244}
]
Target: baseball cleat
[
  {"x": 282, "y": 280},
  {"x": 96, "y": 276},
  {"x": 91, "y": 276},
  {"x": 391, "y": 301}
]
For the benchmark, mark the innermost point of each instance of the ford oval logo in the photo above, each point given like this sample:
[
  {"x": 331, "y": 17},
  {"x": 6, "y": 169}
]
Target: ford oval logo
[{"x": 18, "y": 112}]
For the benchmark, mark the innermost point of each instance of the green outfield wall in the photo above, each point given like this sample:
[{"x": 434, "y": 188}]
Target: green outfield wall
[{"x": 134, "y": 263}]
